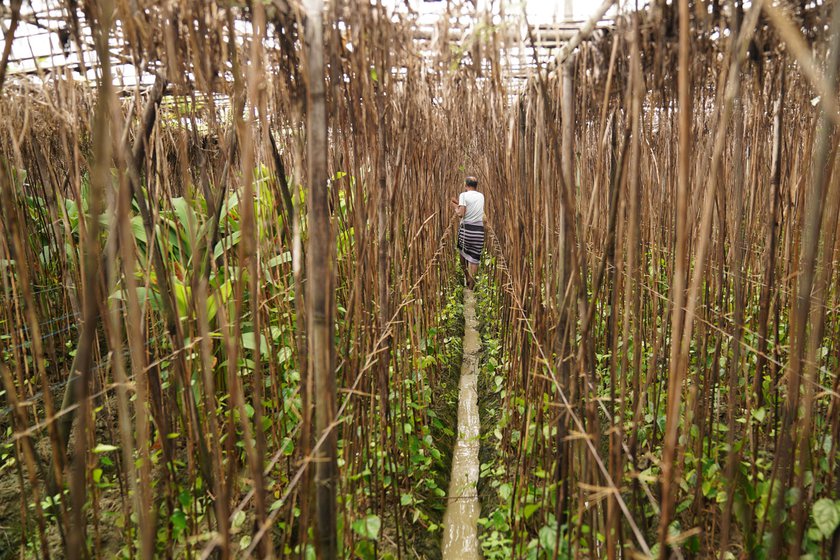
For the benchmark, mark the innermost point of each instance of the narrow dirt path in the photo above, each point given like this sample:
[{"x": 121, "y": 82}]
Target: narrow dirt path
[{"x": 460, "y": 536}]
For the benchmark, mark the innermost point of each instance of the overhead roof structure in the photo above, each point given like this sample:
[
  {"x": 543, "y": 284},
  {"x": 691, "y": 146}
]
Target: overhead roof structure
[{"x": 48, "y": 40}]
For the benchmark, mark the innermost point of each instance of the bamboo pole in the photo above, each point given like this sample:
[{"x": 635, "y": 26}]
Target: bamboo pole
[
  {"x": 320, "y": 298},
  {"x": 678, "y": 282}
]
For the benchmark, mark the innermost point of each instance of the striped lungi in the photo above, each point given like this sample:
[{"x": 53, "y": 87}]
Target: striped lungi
[{"x": 471, "y": 241}]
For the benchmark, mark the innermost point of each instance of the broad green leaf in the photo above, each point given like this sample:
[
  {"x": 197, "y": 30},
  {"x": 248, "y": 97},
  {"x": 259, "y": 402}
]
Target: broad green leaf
[
  {"x": 368, "y": 527},
  {"x": 182, "y": 297},
  {"x": 530, "y": 509},
  {"x": 282, "y": 258},
  {"x": 249, "y": 342},
  {"x": 186, "y": 216},
  {"x": 226, "y": 244},
  {"x": 364, "y": 550},
  {"x": 223, "y": 294},
  {"x": 815, "y": 535},
  {"x": 288, "y": 446},
  {"x": 138, "y": 229},
  {"x": 548, "y": 538},
  {"x": 228, "y": 206},
  {"x": 826, "y": 515},
  {"x": 72, "y": 210},
  {"x": 284, "y": 355},
  {"x": 179, "y": 520}
]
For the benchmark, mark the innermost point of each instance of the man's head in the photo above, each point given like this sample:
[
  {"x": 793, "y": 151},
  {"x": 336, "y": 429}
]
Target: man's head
[{"x": 471, "y": 182}]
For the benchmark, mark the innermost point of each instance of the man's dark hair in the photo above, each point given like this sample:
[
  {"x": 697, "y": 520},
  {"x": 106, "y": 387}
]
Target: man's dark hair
[{"x": 471, "y": 182}]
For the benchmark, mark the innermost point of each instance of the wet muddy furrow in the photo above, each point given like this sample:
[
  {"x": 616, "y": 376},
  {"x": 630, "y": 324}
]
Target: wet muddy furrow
[{"x": 460, "y": 536}]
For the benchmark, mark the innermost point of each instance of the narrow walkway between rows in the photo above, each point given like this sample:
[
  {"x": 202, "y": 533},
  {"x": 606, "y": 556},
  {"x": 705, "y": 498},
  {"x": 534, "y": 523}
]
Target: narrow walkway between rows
[{"x": 460, "y": 539}]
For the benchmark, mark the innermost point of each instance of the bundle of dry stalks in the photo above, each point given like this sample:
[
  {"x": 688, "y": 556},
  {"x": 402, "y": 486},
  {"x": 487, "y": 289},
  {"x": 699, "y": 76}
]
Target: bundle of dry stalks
[
  {"x": 666, "y": 217},
  {"x": 223, "y": 287}
]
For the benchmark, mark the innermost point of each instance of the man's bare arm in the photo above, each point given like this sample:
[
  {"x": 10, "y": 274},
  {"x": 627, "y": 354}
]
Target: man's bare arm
[{"x": 460, "y": 210}]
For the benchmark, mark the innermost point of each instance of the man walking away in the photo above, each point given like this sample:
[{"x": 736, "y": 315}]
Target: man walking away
[{"x": 470, "y": 208}]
